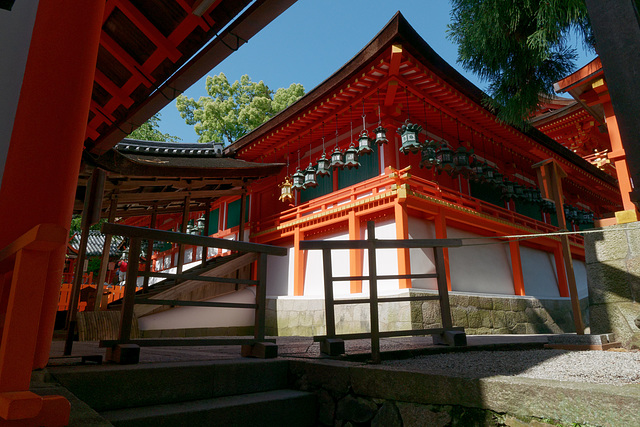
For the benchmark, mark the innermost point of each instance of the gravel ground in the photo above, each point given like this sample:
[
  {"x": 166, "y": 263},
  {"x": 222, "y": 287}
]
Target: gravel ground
[{"x": 602, "y": 367}]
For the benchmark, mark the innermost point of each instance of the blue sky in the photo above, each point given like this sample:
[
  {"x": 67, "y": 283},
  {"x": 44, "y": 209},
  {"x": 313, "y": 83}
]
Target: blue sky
[{"x": 314, "y": 38}]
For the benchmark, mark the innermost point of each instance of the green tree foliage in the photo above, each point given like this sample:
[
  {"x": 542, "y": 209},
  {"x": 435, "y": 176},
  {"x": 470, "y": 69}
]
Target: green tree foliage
[
  {"x": 520, "y": 47},
  {"x": 76, "y": 227},
  {"x": 230, "y": 111},
  {"x": 150, "y": 131}
]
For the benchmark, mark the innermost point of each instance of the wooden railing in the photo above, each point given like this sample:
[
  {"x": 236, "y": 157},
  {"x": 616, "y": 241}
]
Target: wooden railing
[
  {"x": 137, "y": 234},
  {"x": 114, "y": 293},
  {"x": 86, "y": 278},
  {"x": 329, "y": 341}
]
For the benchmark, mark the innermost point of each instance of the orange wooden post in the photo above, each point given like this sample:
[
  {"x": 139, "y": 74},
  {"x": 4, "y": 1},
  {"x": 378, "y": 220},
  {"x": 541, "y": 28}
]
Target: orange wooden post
[
  {"x": 563, "y": 287},
  {"x": 550, "y": 175},
  {"x": 516, "y": 268},
  {"x": 299, "y": 263},
  {"x": 355, "y": 255},
  {"x": 618, "y": 157},
  {"x": 66, "y": 34},
  {"x": 441, "y": 233},
  {"x": 402, "y": 233}
]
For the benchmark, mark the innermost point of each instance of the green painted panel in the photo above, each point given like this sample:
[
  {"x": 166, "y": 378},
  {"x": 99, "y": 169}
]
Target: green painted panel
[
  {"x": 325, "y": 186},
  {"x": 529, "y": 209},
  {"x": 369, "y": 167},
  {"x": 486, "y": 192},
  {"x": 214, "y": 221},
  {"x": 233, "y": 213}
]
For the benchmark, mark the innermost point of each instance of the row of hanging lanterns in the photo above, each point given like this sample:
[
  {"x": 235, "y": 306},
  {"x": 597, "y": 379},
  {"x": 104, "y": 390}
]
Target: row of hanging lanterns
[{"x": 438, "y": 156}]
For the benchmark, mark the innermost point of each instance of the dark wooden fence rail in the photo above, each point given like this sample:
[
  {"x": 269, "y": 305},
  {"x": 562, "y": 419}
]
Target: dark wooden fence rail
[
  {"x": 333, "y": 343},
  {"x": 124, "y": 343}
]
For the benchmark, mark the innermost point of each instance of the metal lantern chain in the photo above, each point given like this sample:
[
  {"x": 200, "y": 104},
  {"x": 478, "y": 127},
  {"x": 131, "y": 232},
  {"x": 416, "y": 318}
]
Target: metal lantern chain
[
  {"x": 409, "y": 132},
  {"x": 351, "y": 155},
  {"x": 364, "y": 142},
  {"x": 310, "y": 172},
  {"x": 380, "y": 131},
  {"x": 337, "y": 157},
  {"x": 444, "y": 153},
  {"x": 324, "y": 164},
  {"x": 298, "y": 176}
]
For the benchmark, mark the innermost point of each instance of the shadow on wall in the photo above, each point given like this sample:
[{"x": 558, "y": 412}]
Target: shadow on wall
[{"x": 613, "y": 277}]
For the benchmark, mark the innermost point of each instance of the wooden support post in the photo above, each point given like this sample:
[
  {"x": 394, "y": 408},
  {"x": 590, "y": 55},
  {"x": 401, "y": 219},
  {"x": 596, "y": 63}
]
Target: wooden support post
[
  {"x": 373, "y": 293},
  {"x": 207, "y": 223},
  {"x": 126, "y": 318},
  {"x": 299, "y": 263},
  {"x": 90, "y": 215},
  {"x": 183, "y": 229},
  {"x": 441, "y": 233},
  {"x": 402, "y": 233},
  {"x": 563, "y": 287},
  {"x": 261, "y": 299},
  {"x": 550, "y": 175},
  {"x": 516, "y": 268},
  {"x": 147, "y": 267},
  {"x": 106, "y": 251},
  {"x": 243, "y": 209},
  {"x": 328, "y": 293},
  {"x": 443, "y": 292},
  {"x": 355, "y": 255}
]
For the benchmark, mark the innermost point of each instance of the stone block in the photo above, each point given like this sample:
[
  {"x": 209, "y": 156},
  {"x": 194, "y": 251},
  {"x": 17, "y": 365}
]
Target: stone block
[
  {"x": 501, "y": 304},
  {"x": 326, "y": 408},
  {"x": 430, "y": 312},
  {"x": 260, "y": 350},
  {"x": 608, "y": 282},
  {"x": 332, "y": 346},
  {"x": 387, "y": 416},
  {"x": 416, "y": 415},
  {"x": 485, "y": 303},
  {"x": 459, "y": 316},
  {"x": 474, "y": 318},
  {"x": 355, "y": 409},
  {"x": 123, "y": 354},
  {"x": 612, "y": 244},
  {"x": 498, "y": 319}
]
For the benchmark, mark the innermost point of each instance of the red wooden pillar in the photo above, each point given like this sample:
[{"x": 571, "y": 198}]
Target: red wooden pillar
[
  {"x": 355, "y": 255},
  {"x": 618, "y": 157},
  {"x": 402, "y": 233},
  {"x": 298, "y": 263},
  {"x": 48, "y": 134},
  {"x": 516, "y": 268},
  {"x": 441, "y": 233}
]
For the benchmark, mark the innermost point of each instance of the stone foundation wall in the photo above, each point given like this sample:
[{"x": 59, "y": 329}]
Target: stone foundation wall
[
  {"x": 288, "y": 316},
  {"x": 613, "y": 277}
]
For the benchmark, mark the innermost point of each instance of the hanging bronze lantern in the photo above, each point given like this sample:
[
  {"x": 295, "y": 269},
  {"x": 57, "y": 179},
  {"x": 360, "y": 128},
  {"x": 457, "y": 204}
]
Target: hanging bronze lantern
[
  {"x": 381, "y": 135},
  {"x": 444, "y": 155},
  {"x": 477, "y": 170},
  {"x": 337, "y": 159},
  {"x": 310, "y": 177},
  {"x": 461, "y": 161},
  {"x": 298, "y": 180},
  {"x": 409, "y": 137},
  {"x": 527, "y": 194},
  {"x": 508, "y": 190},
  {"x": 536, "y": 196},
  {"x": 428, "y": 155},
  {"x": 518, "y": 191},
  {"x": 285, "y": 191},
  {"x": 324, "y": 166},
  {"x": 351, "y": 157},
  {"x": 498, "y": 179},
  {"x": 364, "y": 143},
  {"x": 488, "y": 173},
  {"x": 548, "y": 206}
]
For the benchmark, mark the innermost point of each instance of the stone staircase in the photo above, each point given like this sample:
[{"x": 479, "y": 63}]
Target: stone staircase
[{"x": 246, "y": 392}]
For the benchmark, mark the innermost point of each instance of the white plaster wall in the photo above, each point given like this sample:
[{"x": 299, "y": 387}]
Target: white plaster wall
[
  {"x": 580, "y": 271},
  {"x": 205, "y": 317},
  {"x": 314, "y": 276},
  {"x": 422, "y": 260},
  {"x": 278, "y": 274},
  {"x": 539, "y": 273},
  {"x": 16, "y": 27},
  {"x": 484, "y": 269}
]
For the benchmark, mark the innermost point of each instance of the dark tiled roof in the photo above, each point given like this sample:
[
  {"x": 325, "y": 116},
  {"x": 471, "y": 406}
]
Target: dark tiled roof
[
  {"x": 96, "y": 243},
  {"x": 173, "y": 149}
]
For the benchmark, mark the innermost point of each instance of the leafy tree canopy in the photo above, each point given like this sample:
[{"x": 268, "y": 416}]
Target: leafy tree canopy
[
  {"x": 230, "y": 111},
  {"x": 150, "y": 131},
  {"x": 520, "y": 47}
]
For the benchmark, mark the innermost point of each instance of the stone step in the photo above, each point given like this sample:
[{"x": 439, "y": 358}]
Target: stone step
[
  {"x": 112, "y": 387},
  {"x": 273, "y": 408}
]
